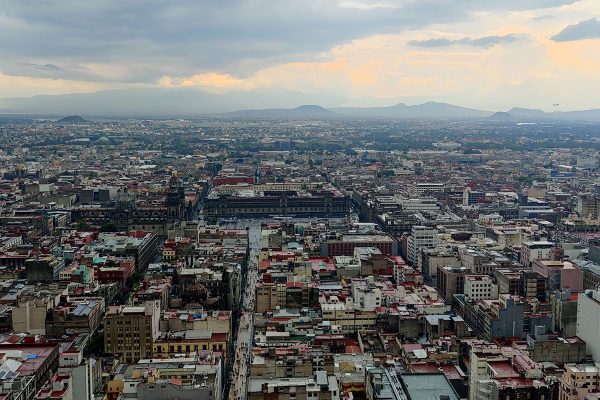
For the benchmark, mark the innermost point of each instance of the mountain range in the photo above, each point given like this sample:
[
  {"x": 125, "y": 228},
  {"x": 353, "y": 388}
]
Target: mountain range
[{"x": 194, "y": 102}]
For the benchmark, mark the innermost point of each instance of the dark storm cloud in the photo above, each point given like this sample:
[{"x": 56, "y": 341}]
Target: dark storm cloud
[
  {"x": 486, "y": 41},
  {"x": 152, "y": 38},
  {"x": 588, "y": 29}
]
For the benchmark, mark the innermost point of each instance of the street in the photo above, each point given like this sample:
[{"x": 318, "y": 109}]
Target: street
[{"x": 243, "y": 344}]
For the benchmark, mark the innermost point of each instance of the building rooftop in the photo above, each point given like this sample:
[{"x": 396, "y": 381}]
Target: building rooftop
[
  {"x": 366, "y": 238},
  {"x": 427, "y": 386}
]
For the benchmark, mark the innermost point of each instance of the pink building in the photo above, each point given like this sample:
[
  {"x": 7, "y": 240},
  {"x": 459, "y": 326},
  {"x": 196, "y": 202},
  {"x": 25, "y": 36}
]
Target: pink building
[{"x": 560, "y": 274}]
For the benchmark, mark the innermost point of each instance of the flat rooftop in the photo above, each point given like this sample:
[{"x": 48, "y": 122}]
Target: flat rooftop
[
  {"x": 427, "y": 386},
  {"x": 366, "y": 238}
]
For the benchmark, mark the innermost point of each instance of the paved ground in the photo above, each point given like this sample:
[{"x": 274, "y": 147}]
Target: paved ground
[{"x": 243, "y": 344}]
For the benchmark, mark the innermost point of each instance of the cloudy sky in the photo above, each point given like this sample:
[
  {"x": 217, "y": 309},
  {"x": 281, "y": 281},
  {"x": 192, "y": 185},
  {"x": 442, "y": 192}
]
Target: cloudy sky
[{"x": 478, "y": 53}]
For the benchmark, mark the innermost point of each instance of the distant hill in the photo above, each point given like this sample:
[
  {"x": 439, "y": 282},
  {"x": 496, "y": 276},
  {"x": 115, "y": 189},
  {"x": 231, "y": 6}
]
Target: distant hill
[
  {"x": 402, "y": 111},
  {"x": 301, "y": 112},
  {"x": 158, "y": 102},
  {"x": 527, "y": 112},
  {"x": 257, "y": 103},
  {"x": 501, "y": 116},
  {"x": 71, "y": 119},
  {"x": 583, "y": 115}
]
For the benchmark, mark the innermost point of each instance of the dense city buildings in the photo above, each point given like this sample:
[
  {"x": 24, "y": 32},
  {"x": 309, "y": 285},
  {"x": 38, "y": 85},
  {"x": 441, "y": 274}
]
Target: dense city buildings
[{"x": 249, "y": 259}]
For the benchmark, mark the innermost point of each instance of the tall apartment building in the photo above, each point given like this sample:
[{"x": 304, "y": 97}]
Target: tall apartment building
[
  {"x": 509, "y": 281},
  {"x": 588, "y": 206},
  {"x": 471, "y": 197},
  {"x": 477, "y": 261},
  {"x": 421, "y": 237},
  {"x": 270, "y": 296},
  {"x": 506, "y": 373},
  {"x": 86, "y": 372},
  {"x": 564, "y": 312},
  {"x": 594, "y": 251},
  {"x": 480, "y": 287},
  {"x": 532, "y": 285},
  {"x": 433, "y": 259},
  {"x": 320, "y": 386},
  {"x": 559, "y": 274},
  {"x": 531, "y": 251},
  {"x": 367, "y": 296},
  {"x": 130, "y": 331},
  {"x": 479, "y": 356},
  {"x": 580, "y": 381},
  {"x": 347, "y": 317},
  {"x": 451, "y": 281},
  {"x": 503, "y": 318},
  {"x": 588, "y": 321}
]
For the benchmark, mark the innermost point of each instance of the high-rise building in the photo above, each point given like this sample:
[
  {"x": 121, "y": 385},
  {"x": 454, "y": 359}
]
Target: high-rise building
[
  {"x": 588, "y": 321},
  {"x": 421, "y": 237},
  {"x": 588, "y": 206},
  {"x": 594, "y": 251},
  {"x": 130, "y": 331},
  {"x": 578, "y": 381},
  {"x": 480, "y": 287},
  {"x": 471, "y": 197}
]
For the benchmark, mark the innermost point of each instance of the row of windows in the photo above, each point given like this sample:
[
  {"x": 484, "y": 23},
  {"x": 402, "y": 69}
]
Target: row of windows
[{"x": 188, "y": 348}]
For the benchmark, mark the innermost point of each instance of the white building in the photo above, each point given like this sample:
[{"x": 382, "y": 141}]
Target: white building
[
  {"x": 420, "y": 204},
  {"x": 480, "y": 287},
  {"x": 588, "y": 206},
  {"x": 421, "y": 237},
  {"x": 367, "y": 297},
  {"x": 85, "y": 372},
  {"x": 531, "y": 251},
  {"x": 428, "y": 187},
  {"x": 588, "y": 321},
  {"x": 8, "y": 242}
]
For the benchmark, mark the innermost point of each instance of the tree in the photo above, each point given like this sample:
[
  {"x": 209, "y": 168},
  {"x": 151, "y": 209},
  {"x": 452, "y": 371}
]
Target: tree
[
  {"x": 83, "y": 226},
  {"x": 108, "y": 227}
]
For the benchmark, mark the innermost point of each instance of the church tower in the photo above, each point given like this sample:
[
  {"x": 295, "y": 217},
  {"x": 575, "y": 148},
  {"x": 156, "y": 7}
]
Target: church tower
[{"x": 175, "y": 199}]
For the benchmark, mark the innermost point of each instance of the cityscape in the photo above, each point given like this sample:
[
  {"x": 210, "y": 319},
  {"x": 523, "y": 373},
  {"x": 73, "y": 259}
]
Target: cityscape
[
  {"x": 236, "y": 258},
  {"x": 261, "y": 200}
]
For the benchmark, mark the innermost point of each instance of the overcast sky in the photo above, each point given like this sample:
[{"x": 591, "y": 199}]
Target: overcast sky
[{"x": 478, "y": 53}]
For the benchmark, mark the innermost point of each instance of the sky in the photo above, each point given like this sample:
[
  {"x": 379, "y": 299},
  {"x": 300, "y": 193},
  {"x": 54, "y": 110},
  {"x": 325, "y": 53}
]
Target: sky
[{"x": 477, "y": 53}]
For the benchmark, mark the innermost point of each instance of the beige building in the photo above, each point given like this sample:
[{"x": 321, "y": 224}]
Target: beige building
[
  {"x": 344, "y": 315},
  {"x": 578, "y": 381},
  {"x": 29, "y": 315},
  {"x": 130, "y": 331},
  {"x": 288, "y": 366},
  {"x": 479, "y": 376},
  {"x": 269, "y": 296},
  {"x": 588, "y": 206},
  {"x": 196, "y": 319},
  {"x": 451, "y": 281},
  {"x": 320, "y": 387}
]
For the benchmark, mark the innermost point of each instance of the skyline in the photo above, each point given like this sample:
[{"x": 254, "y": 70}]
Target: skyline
[{"x": 467, "y": 53}]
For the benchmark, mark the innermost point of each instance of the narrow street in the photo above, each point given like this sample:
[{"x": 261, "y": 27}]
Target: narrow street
[
  {"x": 242, "y": 340},
  {"x": 242, "y": 344}
]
